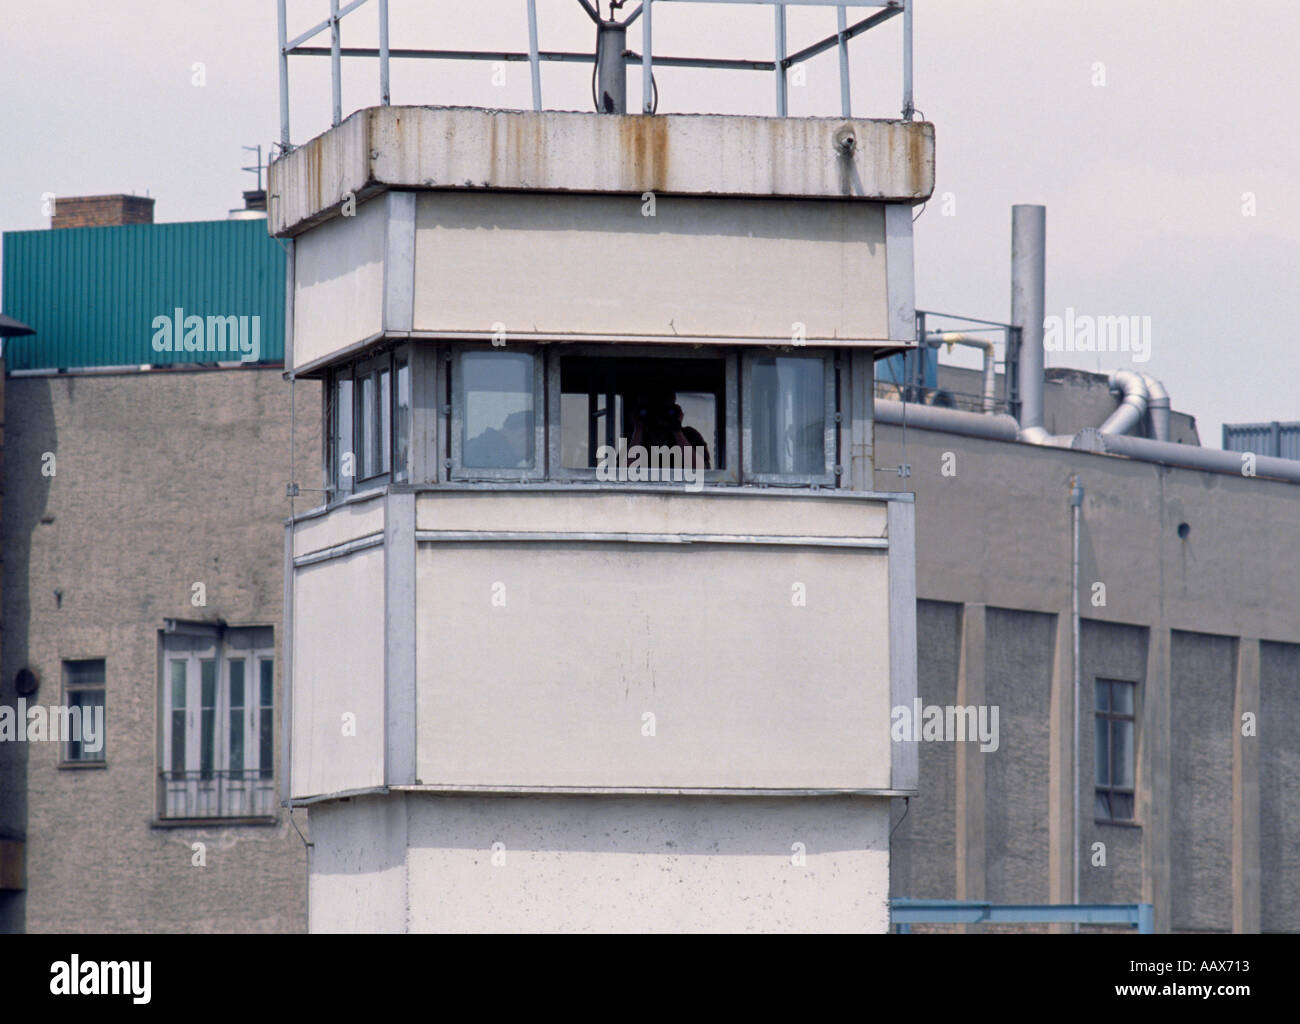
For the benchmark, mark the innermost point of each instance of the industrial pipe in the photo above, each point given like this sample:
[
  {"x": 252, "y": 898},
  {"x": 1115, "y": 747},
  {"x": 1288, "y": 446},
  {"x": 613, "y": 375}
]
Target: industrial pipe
[
  {"x": 1132, "y": 407},
  {"x": 990, "y": 366},
  {"x": 997, "y": 427},
  {"x": 1194, "y": 457},
  {"x": 1157, "y": 407},
  {"x": 1028, "y": 274}
]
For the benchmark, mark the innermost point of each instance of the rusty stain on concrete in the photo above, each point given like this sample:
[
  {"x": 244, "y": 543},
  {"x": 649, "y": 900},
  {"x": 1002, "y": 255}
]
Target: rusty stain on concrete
[{"x": 643, "y": 151}]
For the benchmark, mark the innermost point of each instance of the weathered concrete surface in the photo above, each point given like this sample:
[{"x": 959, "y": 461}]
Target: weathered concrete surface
[
  {"x": 760, "y": 653},
  {"x": 550, "y": 151},
  {"x": 421, "y": 862}
]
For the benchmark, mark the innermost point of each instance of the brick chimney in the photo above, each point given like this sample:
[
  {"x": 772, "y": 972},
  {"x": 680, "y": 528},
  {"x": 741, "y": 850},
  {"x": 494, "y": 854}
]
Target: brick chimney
[{"x": 101, "y": 211}]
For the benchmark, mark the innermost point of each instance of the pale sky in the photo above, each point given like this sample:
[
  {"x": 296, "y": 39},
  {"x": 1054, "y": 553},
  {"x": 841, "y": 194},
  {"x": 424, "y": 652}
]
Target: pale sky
[{"x": 1147, "y": 178}]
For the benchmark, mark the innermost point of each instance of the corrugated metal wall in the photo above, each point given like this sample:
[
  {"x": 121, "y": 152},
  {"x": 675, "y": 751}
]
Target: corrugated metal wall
[
  {"x": 92, "y": 293},
  {"x": 1277, "y": 439}
]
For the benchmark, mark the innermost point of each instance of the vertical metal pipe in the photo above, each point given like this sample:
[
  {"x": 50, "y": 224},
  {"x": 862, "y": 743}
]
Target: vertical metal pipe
[
  {"x": 908, "y": 108},
  {"x": 1076, "y": 501},
  {"x": 781, "y": 95},
  {"x": 336, "y": 69},
  {"x": 611, "y": 69},
  {"x": 916, "y": 385},
  {"x": 1028, "y": 273},
  {"x": 647, "y": 68},
  {"x": 842, "y": 25},
  {"x": 284, "y": 76},
  {"x": 384, "y": 94},
  {"x": 534, "y": 66}
]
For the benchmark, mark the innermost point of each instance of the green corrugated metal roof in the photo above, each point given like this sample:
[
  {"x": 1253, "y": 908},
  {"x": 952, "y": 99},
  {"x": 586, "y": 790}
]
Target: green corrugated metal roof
[{"x": 93, "y": 294}]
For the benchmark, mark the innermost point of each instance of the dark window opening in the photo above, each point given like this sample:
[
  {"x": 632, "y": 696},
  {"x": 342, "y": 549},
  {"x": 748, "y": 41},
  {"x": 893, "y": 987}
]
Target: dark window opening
[{"x": 622, "y": 402}]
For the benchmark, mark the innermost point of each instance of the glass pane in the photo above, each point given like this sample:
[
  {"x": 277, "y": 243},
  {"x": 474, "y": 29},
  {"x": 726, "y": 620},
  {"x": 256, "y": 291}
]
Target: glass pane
[
  {"x": 265, "y": 667},
  {"x": 1121, "y": 806},
  {"x": 581, "y": 416},
  {"x": 384, "y": 437},
  {"x": 341, "y": 439},
  {"x": 83, "y": 673},
  {"x": 497, "y": 410},
  {"x": 1122, "y": 756},
  {"x": 207, "y": 714},
  {"x": 208, "y": 683},
  {"x": 787, "y": 415},
  {"x": 265, "y": 733},
  {"x": 237, "y": 683},
  {"x": 1103, "y": 752},
  {"x": 1122, "y": 695},
  {"x": 90, "y": 725},
  {"x": 236, "y": 740},
  {"x": 699, "y": 423},
  {"x": 178, "y": 741},
  {"x": 178, "y": 684},
  {"x": 1103, "y": 695},
  {"x": 402, "y": 420},
  {"x": 1101, "y": 807},
  {"x": 367, "y": 415}
]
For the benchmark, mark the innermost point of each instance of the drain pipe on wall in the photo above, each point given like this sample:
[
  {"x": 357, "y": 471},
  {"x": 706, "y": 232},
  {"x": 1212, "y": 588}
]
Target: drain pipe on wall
[{"x": 1076, "y": 502}]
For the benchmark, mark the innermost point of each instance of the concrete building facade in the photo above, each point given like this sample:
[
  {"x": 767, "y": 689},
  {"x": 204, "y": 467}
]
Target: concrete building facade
[
  {"x": 526, "y": 695},
  {"x": 1188, "y": 598},
  {"x": 142, "y": 529}
]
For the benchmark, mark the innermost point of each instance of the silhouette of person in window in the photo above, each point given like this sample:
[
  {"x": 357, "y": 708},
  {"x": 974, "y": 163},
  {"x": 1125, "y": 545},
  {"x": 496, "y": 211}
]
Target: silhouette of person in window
[
  {"x": 658, "y": 422},
  {"x": 692, "y": 439}
]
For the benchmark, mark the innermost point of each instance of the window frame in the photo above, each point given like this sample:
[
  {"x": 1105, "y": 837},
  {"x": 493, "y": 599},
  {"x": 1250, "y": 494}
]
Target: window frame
[
  {"x": 458, "y": 472},
  {"x": 100, "y": 760},
  {"x": 339, "y": 486},
  {"x": 1105, "y": 718},
  {"x": 374, "y": 364},
  {"x": 352, "y": 371},
  {"x": 830, "y": 425},
  {"x": 730, "y": 409},
  {"x": 197, "y": 787}
]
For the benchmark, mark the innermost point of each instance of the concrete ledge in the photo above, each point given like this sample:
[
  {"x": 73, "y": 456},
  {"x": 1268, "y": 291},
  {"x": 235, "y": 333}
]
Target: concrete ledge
[{"x": 382, "y": 148}]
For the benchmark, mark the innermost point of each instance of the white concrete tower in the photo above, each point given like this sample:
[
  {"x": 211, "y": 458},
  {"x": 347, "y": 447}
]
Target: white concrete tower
[{"x": 535, "y": 684}]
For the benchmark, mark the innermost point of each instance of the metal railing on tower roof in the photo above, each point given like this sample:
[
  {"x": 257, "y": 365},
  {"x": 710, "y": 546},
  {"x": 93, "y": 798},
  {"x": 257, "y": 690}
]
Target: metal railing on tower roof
[{"x": 611, "y": 29}]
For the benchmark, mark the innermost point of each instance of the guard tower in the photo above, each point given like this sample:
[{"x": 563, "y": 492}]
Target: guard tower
[{"x": 597, "y": 622}]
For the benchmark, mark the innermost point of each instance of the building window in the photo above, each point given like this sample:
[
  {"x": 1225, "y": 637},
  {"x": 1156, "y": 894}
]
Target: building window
[
  {"x": 217, "y": 722},
  {"x": 789, "y": 408},
  {"x": 372, "y": 417},
  {"x": 1116, "y": 758},
  {"x": 342, "y": 457},
  {"x": 497, "y": 428},
  {"x": 578, "y": 411},
  {"x": 680, "y": 409},
  {"x": 401, "y": 417},
  {"x": 368, "y": 412},
  {"x": 82, "y": 728}
]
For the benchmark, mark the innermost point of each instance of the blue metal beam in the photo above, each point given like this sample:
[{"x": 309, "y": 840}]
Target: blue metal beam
[{"x": 906, "y": 911}]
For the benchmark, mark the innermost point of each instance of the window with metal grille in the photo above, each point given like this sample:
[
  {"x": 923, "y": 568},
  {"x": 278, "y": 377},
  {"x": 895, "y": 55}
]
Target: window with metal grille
[{"x": 218, "y": 729}]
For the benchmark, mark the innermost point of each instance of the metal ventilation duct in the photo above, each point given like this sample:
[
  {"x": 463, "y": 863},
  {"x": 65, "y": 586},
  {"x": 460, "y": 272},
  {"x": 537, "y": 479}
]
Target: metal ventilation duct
[{"x": 1132, "y": 407}]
